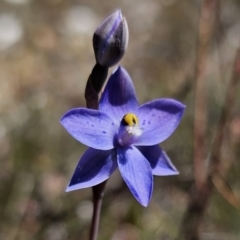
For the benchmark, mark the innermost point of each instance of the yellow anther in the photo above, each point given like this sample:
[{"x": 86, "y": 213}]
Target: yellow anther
[{"x": 130, "y": 119}]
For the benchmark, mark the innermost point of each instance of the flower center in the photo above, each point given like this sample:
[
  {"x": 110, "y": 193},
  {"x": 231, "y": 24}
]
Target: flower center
[
  {"x": 129, "y": 119},
  {"x": 128, "y": 130}
]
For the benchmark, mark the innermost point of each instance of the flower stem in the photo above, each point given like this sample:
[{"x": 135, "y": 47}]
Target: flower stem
[
  {"x": 94, "y": 85},
  {"x": 98, "y": 192},
  {"x": 93, "y": 88}
]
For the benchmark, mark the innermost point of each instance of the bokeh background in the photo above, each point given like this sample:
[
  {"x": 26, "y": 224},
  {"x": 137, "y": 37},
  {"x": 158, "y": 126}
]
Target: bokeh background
[{"x": 46, "y": 57}]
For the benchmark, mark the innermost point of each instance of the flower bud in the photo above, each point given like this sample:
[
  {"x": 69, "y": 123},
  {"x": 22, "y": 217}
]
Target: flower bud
[{"x": 110, "y": 40}]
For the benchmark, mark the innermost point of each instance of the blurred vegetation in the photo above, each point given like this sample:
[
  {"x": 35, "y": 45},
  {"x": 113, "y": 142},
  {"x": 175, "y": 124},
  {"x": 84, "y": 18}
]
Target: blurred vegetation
[{"x": 46, "y": 57}]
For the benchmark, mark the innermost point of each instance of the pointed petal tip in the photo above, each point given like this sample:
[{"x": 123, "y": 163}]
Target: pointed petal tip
[
  {"x": 74, "y": 187},
  {"x": 121, "y": 70},
  {"x": 173, "y": 173},
  {"x": 62, "y": 119},
  {"x": 173, "y": 101},
  {"x": 145, "y": 204},
  {"x": 116, "y": 69},
  {"x": 69, "y": 189},
  {"x": 176, "y": 173},
  {"x": 166, "y": 173},
  {"x": 63, "y": 116},
  {"x": 119, "y": 11},
  {"x": 183, "y": 107},
  {"x": 114, "y": 16}
]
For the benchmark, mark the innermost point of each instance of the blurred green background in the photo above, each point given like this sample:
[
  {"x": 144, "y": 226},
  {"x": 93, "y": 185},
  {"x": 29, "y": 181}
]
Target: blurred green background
[{"x": 46, "y": 57}]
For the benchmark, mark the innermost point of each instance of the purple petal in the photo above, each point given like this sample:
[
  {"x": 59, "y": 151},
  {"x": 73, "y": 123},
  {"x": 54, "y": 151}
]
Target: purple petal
[
  {"x": 158, "y": 120},
  {"x": 159, "y": 161},
  {"x": 91, "y": 127},
  {"x": 94, "y": 167},
  {"x": 119, "y": 96},
  {"x": 136, "y": 172}
]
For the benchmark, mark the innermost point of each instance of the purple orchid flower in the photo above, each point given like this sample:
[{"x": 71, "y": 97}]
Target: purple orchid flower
[{"x": 122, "y": 134}]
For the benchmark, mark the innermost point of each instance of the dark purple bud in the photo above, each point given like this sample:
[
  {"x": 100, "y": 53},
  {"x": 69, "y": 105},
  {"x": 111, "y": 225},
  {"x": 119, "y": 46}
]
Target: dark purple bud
[{"x": 110, "y": 40}]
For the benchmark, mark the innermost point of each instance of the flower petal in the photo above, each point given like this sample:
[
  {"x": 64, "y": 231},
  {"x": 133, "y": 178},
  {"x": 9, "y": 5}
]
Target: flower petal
[
  {"x": 90, "y": 127},
  {"x": 158, "y": 120},
  {"x": 119, "y": 96},
  {"x": 159, "y": 161},
  {"x": 136, "y": 172},
  {"x": 94, "y": 167}
]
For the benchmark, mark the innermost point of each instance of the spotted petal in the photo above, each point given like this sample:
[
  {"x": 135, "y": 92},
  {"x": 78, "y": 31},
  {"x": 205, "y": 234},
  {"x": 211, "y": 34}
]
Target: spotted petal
[
  {"x": 159, "y": 161},
  {"x": 90, "y": 127},
  {"x": 94, "y": 167},
  {"x": 136, "y": 172},
  {"x": 119, "y": 96},
  {"x": 158, "y": 120}
]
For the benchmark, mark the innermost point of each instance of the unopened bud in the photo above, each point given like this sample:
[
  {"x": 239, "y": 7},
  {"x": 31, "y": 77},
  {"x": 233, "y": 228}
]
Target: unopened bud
[{"x": 110, "y": 40}]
